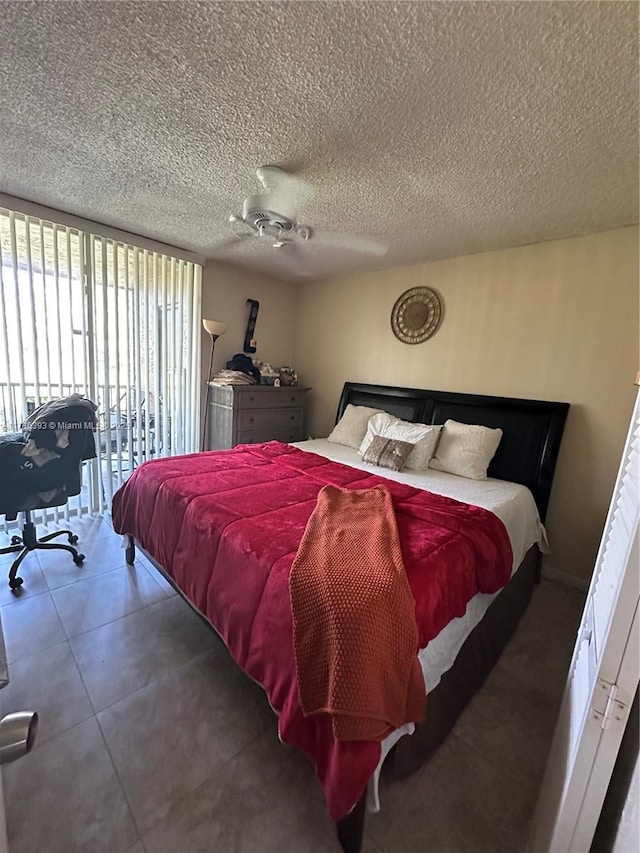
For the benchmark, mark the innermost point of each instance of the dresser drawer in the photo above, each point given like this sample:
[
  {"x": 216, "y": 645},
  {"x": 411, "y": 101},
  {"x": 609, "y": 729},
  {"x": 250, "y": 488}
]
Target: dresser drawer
[
  {"x": 241, "y": 414},
  {"x": 261, "y": 419},
  {"x": 258, "y": 436},
  {"x": 270, "y": 398}
]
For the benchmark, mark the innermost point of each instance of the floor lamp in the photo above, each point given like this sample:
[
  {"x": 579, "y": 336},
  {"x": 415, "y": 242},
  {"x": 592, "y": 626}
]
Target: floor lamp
[{"x": 214, "y": 329}]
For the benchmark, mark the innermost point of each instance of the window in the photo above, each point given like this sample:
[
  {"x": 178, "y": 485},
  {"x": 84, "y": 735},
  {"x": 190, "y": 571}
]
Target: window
[{"x": 83, "y": 313}]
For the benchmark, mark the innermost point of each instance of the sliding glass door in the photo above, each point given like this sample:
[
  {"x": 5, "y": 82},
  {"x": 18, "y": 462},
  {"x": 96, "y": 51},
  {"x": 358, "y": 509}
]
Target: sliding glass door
[{"x": 80, "y": 313}]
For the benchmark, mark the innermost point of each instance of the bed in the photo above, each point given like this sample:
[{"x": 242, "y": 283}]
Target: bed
[{"x": 532, "y": 432}]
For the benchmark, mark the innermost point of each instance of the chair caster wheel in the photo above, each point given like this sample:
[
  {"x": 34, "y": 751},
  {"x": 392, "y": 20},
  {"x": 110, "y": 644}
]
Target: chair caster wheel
[
  {"x": 72, "y": 538},
  {"x": 78, "y": 559},
  {"x": 16, "y": 583},
  {"x": 16, "y": 540}
]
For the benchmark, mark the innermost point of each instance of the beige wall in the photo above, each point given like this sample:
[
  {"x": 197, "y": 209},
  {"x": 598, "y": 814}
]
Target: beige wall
[
  {"x": 225, "y": 291},
  {"x": 555, "y": 321}
]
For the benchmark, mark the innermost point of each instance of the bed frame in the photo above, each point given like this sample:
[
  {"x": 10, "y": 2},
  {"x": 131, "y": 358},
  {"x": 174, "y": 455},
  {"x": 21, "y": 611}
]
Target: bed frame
[{"x": 528, "y": 451}]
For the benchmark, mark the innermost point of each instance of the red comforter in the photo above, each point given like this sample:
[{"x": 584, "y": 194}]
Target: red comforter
[{"x": 226, "y": 527}]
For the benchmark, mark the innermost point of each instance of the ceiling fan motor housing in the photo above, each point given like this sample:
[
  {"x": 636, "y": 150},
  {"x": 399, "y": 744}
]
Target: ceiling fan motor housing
[{"x": 269, "y": 212}]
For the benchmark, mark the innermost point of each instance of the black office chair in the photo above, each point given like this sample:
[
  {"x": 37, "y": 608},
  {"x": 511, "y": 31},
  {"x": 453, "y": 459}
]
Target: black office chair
[{"x": 42, "y": 467}]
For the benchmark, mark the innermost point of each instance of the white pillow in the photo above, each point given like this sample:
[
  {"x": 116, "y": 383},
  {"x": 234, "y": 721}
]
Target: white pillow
[
  {"x": 422, "y": 436},
  {"x": 352, "y": 426},
  {"x": 466, "y": 450}
]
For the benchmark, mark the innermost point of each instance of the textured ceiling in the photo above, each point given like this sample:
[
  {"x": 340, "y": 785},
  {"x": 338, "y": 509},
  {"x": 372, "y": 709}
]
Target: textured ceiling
[{"x": 440, "y": 128}]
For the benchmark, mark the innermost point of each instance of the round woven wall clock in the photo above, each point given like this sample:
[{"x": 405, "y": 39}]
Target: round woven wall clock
[{"x": 416, "y": 315}]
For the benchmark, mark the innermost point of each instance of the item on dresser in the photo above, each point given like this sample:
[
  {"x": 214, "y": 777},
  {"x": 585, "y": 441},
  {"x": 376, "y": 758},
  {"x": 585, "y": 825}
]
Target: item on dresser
[
  {"x": 244, "y": 364},
  {"x": 250, "y": 414},
  {"x": 288, "y": 376},
  {"x": 268, "y": 374},
  {"x": 232, "y": 377}
]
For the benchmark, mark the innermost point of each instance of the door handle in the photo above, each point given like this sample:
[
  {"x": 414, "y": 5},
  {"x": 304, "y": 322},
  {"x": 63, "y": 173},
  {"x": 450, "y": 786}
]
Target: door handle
[{"x": 17, "y": 735}]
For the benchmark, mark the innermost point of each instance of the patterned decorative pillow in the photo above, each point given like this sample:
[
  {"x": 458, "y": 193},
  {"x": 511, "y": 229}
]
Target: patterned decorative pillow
[
  {"x": 423, "y": 437},
  {"x": 387, "y": 453},
  {"x": 466, "y": 449},
  {"x": 352, "y": 426}
]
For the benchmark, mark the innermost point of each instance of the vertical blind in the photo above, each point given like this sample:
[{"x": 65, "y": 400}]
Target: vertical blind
[{"x": 81, "y": 313}]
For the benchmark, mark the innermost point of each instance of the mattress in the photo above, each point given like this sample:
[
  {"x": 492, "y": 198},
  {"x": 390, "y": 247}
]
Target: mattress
[{"x": 515, "y": 507}]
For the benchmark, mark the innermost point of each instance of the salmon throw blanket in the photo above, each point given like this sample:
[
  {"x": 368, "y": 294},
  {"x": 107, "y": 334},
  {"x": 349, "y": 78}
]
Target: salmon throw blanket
[
  {"x": 354, "y": 624},
  {"x": 226, "y": 526}
]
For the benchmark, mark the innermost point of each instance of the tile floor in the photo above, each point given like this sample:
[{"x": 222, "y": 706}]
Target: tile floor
[{"x": 152, "y": 741}]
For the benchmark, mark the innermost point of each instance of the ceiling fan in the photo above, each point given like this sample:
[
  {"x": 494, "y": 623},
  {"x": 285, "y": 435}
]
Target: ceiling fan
[{"x": 272, "y": 217}]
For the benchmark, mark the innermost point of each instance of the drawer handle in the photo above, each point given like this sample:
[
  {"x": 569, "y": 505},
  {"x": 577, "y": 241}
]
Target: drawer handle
[
  {"x": 250, "y": 420},
  {"x": 293, "y": 417},
  {"x": 251, "y": 399},
  {"x": 293, "y": 399}
]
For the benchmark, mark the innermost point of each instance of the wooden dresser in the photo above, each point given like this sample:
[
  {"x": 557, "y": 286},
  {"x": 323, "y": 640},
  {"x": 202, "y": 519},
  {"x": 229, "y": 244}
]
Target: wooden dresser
[{"x": 249, "y": 414}]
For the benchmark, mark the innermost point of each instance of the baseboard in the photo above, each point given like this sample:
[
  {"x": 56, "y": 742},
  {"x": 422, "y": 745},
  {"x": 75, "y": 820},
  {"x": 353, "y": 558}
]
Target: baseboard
[{"x": 566, "y": 578}]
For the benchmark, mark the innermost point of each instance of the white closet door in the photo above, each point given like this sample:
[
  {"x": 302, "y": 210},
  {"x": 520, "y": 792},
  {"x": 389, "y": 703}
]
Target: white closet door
[{"x": 603, "y": 676}]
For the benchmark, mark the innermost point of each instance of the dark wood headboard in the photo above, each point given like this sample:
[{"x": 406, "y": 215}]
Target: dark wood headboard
[{"x": 532, "y": 429}]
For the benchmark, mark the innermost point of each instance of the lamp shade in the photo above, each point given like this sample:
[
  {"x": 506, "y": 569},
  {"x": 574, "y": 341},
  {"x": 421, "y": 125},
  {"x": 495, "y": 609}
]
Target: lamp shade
[{"x": 214, "y": 328}]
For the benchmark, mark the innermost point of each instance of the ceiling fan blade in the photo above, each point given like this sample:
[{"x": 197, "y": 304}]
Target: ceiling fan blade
[
  {"x": 350, "y": 242},
  {"x": 232, "y": 242},
  {"x": 295, "y": 260},
  {"x": 276, "y": 180},
  {"x": 285, "y": 192}
]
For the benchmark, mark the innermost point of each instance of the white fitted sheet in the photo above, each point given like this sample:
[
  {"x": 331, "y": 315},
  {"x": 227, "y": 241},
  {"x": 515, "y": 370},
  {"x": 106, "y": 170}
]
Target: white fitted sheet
[{"x": 515, "y": 507}]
